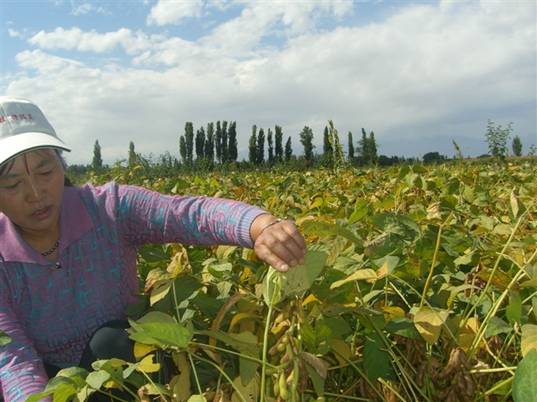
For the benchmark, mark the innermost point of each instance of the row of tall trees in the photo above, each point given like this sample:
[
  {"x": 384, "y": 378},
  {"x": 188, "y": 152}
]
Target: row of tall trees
[
  {"x": 217, "y": 144},
  {"x": 275, "y": 150},
  {"x": 212, "y": 146},
  {"x": 364, "y": 154}
]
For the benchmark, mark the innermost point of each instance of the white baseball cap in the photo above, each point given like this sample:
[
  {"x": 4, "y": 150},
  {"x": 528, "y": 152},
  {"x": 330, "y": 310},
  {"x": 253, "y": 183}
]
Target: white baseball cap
[{"x": 24, "y": 127}]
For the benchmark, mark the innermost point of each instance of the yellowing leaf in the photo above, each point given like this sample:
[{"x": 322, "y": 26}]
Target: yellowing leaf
[
  {"x": 179, "y": 263},
  {"x": 111, "y": 384},
  {"x": 310, "y": 299},
  {"x": 147, "y": 365},
  {"x": 239, "y": 317},
  {"x": 382, "y": 271},
  {"x": 276, "y": 329},
  {"x": 140, "y": 350},
  {"x": 391, "y": 312},
  {"x": 531, "y": 283},
  {"x": 467, "y": 333},
  {"x": 429, "y": 323},
  {"x": 316, "y": 203},
  {"x": 514, "y": 204},
  {"x": 160, "y": 290},
  {"x": 197, "y": 398},
  {"x": 503, "y": 229},
  {"x": 224, "y": 252},
  {"x": 360, "y": 275},
  {"x": 529, "y": 338},
  {"x": 500, "y": 279}
]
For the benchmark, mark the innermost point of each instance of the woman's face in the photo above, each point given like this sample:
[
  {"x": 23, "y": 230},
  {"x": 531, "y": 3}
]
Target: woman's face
[{"x": 31, "y": 189}]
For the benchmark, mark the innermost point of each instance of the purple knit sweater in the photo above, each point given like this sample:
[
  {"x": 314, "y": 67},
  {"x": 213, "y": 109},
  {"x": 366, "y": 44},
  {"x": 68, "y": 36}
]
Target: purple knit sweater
[{"x": 51, "y": 313}]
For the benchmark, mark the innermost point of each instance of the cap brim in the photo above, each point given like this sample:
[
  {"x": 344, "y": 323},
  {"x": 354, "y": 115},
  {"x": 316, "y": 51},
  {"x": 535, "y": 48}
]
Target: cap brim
[{"x": 20, "y": 143}]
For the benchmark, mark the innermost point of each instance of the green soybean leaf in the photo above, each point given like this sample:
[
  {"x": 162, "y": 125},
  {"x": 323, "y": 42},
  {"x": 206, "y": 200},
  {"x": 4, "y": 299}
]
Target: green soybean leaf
[
  {"x": 403, "y": 327},
  {"x": 300, "y": 278},
  {"x": 76, "y": 374},
  {"x": 377, "y": 361},
  {"x": 525, "y": 382},
  {"x": 61, "y": 388},
  {"x": 497, "y": 326},
  {"x": 97, "y": 378},
  {"x": 360, "y": 210},
  {"x": 156, "y": 316},
  {"x": 513, "y": 311},
  {"x": 38, "y": 397},
  {"x": 272, "y": 287},
  {"x": 243, "y": 342},
  {"x": 248, "y": 392},
  {"x": 279, "y": 285},
  {"x": 162, "y": 334},
  {"x": 318, "y": 228},
  {"x": 4, "y": 339}
]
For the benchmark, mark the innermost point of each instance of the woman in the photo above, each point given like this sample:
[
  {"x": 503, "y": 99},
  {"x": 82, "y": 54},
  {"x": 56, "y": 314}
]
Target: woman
[{"x": 68, "y": 254}]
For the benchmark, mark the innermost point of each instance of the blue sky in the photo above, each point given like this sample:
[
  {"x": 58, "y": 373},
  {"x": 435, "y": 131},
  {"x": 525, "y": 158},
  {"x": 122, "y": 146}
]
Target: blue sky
[{"x": 418, "y": 73}]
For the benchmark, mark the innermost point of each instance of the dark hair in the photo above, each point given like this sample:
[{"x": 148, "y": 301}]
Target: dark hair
[{"x": 6, "y": 167}]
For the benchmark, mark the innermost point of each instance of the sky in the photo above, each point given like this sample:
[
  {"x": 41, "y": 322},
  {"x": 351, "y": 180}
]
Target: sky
[{"x": 420, "y": 74}]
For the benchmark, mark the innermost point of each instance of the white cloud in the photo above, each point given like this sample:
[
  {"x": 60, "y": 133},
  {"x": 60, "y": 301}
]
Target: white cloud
[
  {"x": 46, "y": 64},
  {"x": 263, "y": 18},
  {"x": 14, "y": 34},
  {"x": 220, "y": 4},
  {"x": 76, "y": 39},
  {"x": 87, "y": 8},
  {"x": 173, "y": 11},
  {"x": 425, "y": 75}
]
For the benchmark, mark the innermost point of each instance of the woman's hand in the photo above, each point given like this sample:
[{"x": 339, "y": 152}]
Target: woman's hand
[{"x": 279, "y": 244}]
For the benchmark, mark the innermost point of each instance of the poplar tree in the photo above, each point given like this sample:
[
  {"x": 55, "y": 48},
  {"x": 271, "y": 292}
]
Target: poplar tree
[
  {"x": 288, "y": 150},
  {"x": 189, "y": 140},
  {"x": 232, "y": 142},
  {"x": 200, "y": 144},
  {"x": 261, "y": 147},
  {"x": 209, "y": 143},
  {"x": 270, "y": 148},
  {"x": 517, "y": 146},
  {"x": 97, "y": 162},
  {"x": 368, "y": 148},
  {"x": 225, "y": 151},
  {"x": 373, "y": 157},
  {"x": 218, "y": 142},
  {"x": 306, "y": 138},
  {"x": 350, "y": 147},
  {"x": 252, "y": 146},
  {"x": 278, "y": 148},
  {"x": 182, "y": 149},
  {"x": 132, "y": 155},
  {"x": 328, "y": 150},
  {"x": 363, "y": 148}
]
